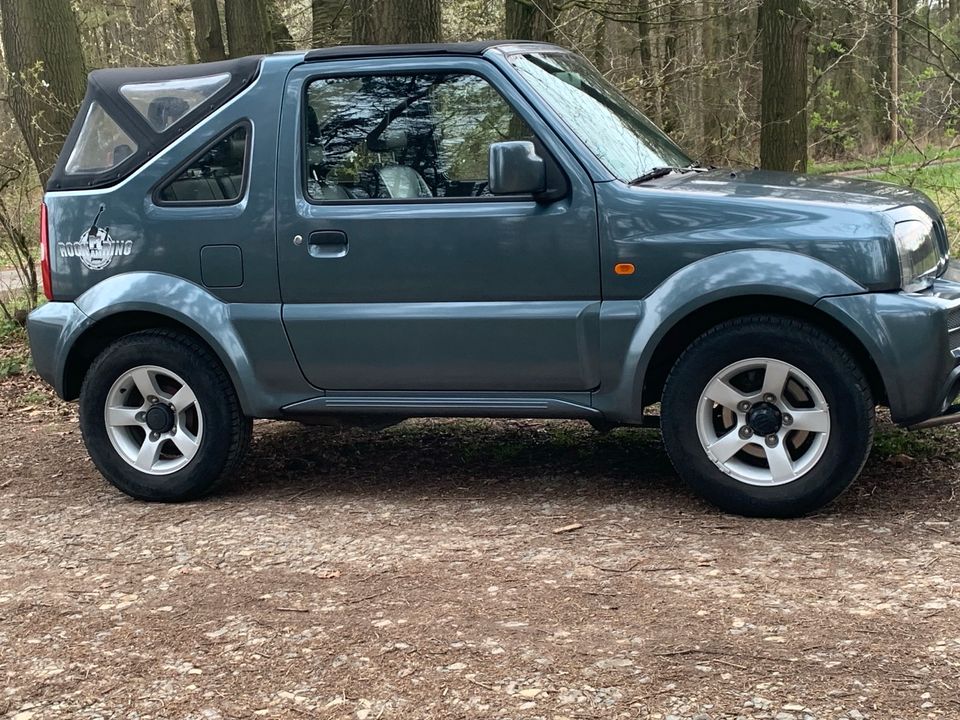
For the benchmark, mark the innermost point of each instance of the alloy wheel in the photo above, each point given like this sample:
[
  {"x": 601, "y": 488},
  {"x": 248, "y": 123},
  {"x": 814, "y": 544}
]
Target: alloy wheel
[
  {"x": 763, "y": 422},
  {"x": 153, "y": 420}
]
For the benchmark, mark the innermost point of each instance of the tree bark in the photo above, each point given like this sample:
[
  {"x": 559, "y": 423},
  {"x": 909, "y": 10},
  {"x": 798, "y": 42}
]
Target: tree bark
[
  {"x": 530, "y": 20},
  {"x": 282, "y": 39},
  {"x": 331, "y": 22},
  {"x": 207, "y": 35},
  {"x": 388, "y": 22},
  {"x": 41, "y": 44},
  {"x": 784, "y": 30},
  {"x": 248, "y": 27},
  {"x": 894, "y": 70}
]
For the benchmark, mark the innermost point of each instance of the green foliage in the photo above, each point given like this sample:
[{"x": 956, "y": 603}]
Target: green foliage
[
  {"x": 13, "y": 365},
  {"x": 34, "y": 397},
  {"x": 941, "y": 182}
]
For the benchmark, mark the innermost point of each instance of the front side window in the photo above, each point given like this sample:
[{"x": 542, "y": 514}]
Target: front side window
[
  {"x": 621, "y": 137},
  {"x": 216, "y": 176},
  {"x": 404, "y": 137},
  {"x": 101, "y": 145}
]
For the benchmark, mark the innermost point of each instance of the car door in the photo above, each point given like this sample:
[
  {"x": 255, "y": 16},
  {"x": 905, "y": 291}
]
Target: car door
[{"x": 398, "y": 269}]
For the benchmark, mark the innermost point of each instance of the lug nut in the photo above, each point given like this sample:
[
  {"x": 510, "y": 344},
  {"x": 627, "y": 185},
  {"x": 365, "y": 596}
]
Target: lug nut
[
  {"x": 141, "y": 417},
  {"x": 152, "y": 400},
  {"x": 746, "y": 432},
  {"x": 154, "y": 436},
  {"x": 788, "y": 419},
  {"x": 770, "y": 398},
  {"x": 771, "y": 440},
  {"x": 743, "y": 406}
]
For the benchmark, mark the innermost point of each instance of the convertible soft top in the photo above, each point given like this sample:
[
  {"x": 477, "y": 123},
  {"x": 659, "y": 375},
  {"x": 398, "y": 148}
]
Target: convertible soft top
[{"x": 147, "y": 109}]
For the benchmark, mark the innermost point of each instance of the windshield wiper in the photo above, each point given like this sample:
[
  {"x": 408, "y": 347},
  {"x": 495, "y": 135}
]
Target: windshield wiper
[{"x": 659, "y": 172}]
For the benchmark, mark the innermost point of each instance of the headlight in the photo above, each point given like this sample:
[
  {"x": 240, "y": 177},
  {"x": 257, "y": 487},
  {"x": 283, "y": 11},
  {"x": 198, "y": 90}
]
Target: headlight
[{"x": 919, "y": 254}]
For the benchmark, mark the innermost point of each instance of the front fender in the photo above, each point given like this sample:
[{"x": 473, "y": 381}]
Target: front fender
[
  {"x": 248, "y": 338},
  {"x": 632, "y": 329}
]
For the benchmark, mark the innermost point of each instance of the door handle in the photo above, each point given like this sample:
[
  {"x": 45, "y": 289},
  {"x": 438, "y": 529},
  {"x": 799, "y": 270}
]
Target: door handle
[{"x": 327, "y": 244}]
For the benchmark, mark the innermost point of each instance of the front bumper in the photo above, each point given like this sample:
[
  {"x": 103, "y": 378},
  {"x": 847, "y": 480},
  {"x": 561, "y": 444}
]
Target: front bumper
[
  {"x": 914, "y": 340},
  {"x": 51, "y": 329}
]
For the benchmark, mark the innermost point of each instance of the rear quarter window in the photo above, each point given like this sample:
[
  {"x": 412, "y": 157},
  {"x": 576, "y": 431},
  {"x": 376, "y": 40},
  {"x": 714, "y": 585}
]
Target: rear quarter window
[{"x": 217, "y": 175}]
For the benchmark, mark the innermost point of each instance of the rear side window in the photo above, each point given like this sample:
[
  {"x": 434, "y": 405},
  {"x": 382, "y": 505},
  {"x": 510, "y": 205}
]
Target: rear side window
[
  {"x": 101, "y": 145},
  {"x": 217, "y": 176},
  {"x": 163, "y": 104}
]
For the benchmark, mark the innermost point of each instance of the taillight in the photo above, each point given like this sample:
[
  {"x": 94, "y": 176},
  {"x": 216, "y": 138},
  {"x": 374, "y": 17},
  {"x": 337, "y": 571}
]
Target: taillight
[{"x": 45, "y": 253}]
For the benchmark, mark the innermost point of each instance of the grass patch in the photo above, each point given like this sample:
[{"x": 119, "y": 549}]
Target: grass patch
[
  {"x": 34, "y": 397},
  {"x": 891, "y": 441},
  {"x": 13, "y": 365},
  {"x": 941, "y": 183},
  {"x": 891, "y": 158}
]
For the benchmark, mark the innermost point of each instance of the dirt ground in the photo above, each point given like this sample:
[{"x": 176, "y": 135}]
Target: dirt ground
[{"x": 417, "y": 573}]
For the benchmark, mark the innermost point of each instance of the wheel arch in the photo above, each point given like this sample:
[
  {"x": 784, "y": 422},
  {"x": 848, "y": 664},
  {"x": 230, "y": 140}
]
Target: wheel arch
[
  {"x": 106, "y": 330},
  {"x": 696, "y": 322},
  {"x": 248, "y": 338}
]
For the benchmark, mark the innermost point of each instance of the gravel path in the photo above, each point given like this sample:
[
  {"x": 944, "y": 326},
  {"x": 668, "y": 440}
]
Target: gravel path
[
  {"x": 9, "y": 280},
  {"x": 417, "y": 573}
]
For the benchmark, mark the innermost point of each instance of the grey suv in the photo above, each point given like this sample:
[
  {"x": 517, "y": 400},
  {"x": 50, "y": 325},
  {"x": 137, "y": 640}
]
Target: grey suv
[{"x": 360, "y": 235}]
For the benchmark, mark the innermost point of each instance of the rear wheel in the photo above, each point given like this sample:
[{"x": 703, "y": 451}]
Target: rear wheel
[
  {"x": 160, "y": 417},
  {"x": 767, "y": 416}
]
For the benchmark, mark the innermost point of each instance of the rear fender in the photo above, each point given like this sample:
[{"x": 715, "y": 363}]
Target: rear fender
[{"x": 248, "y": 338}]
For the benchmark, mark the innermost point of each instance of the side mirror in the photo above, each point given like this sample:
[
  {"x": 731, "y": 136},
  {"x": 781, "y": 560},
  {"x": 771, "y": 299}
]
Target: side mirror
[{"x": 516, "y": 169}]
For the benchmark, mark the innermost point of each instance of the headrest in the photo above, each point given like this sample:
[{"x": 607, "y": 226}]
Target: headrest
[
  {"x": 164, "y": 111},
  {"x": 388, "y": 140}
]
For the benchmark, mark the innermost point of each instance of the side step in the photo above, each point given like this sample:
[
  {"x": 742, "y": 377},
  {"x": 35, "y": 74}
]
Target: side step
[{"x": 442, "y": 406}]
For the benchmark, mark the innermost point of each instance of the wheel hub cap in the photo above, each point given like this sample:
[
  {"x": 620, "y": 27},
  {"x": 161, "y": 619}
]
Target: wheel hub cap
[
  {"x": 160, "y": 419},
  {"x": 765, "y": 419}
]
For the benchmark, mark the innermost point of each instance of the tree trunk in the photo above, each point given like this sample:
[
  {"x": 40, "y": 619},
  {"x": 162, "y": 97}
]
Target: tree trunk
[
  {"x": 331, "y": 22},
  {"x": 894, "y": 70},
  {"x": 207, "y": 35},
  {"x": 282, "y": 39},
  {"x": 387, "y": 22},
  {"x": 784, "y": 30},
  {"x": 248, "y": 27},
  {"x": 530, "y": 20},
  {"x": 41, "y": 44}
]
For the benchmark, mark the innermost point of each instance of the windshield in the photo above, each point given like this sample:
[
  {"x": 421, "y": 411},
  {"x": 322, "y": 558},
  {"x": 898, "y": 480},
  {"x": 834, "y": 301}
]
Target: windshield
[{"x": 623, "y": 139}]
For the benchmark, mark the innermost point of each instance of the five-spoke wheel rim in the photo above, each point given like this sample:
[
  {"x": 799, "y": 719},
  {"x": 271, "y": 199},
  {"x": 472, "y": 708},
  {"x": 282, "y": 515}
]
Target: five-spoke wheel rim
[
  {"x": 763, "y": 422},
  {"x": 153, "y": 420}
]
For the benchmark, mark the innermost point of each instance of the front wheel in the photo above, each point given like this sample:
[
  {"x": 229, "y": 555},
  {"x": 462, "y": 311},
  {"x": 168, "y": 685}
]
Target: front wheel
[
  {"x": 767, "y": 416},
  {"x": 160, "y": 417}
]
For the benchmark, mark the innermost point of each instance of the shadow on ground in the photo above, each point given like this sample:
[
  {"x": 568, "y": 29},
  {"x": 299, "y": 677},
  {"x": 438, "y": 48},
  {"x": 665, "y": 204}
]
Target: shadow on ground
[{"x": 484, "y": 458}]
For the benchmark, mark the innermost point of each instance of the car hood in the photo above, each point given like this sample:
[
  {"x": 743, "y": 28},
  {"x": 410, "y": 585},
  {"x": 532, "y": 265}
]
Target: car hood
[{"x": 851, "y": 193}]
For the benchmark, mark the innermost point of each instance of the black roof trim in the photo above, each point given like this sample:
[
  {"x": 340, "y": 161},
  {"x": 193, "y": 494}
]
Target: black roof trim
[{"x": 344, "y": 52}]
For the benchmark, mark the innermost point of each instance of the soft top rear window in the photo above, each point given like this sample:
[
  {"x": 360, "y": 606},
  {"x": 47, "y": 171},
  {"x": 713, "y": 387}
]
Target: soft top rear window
[
  {"x": 164, "y": 103},
  {"x": 102, "y": 144},
  {"x": 130, "y": 114}
]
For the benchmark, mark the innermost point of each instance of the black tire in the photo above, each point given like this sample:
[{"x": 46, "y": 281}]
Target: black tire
[
  {"x": 824, "y": 360},
  {"x": 226, "y": 431}
]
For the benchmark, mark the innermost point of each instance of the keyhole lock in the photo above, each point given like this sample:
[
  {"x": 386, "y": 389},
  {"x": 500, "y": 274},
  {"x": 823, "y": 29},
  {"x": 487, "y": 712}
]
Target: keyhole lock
[{"x": 298, "y": 239}]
